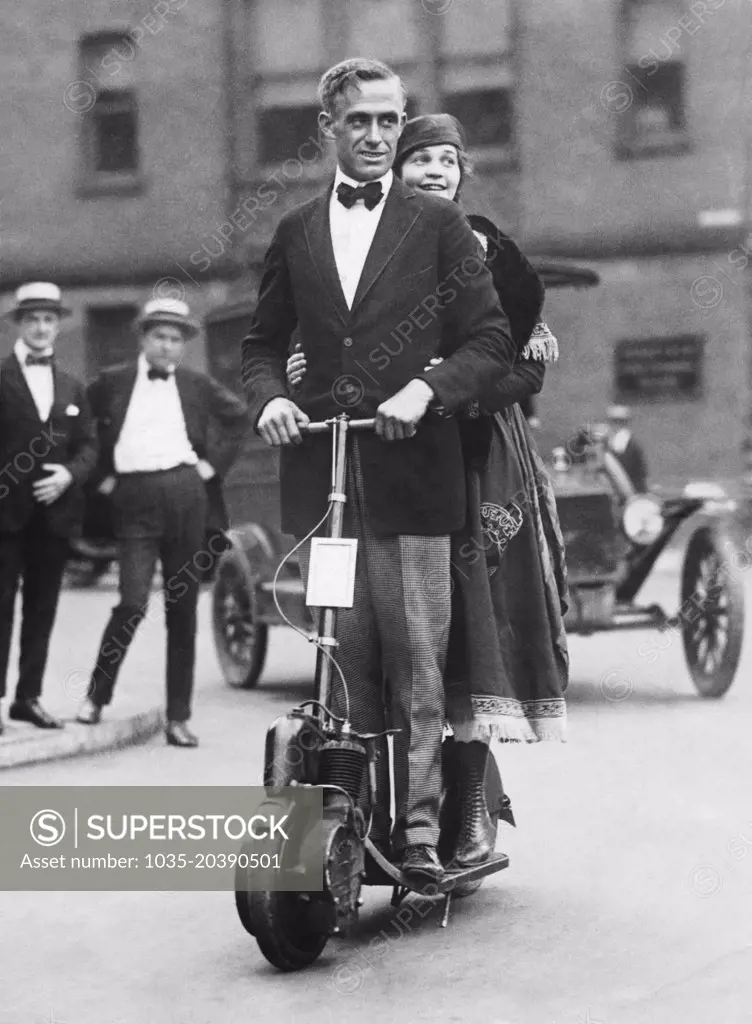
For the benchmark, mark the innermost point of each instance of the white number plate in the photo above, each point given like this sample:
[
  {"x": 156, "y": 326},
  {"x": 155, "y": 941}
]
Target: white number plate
[{"x": 331, "y": 576}]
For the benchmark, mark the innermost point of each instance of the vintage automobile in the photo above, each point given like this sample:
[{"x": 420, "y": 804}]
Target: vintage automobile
[{"x": 613, "y": 537}]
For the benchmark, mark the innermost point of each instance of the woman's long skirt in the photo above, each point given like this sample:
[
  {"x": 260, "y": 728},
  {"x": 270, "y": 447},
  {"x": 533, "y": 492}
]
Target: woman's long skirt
[{"x": 508, "y": 663}]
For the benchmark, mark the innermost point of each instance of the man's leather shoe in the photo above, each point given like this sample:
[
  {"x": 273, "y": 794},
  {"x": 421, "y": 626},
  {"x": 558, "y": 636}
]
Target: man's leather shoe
[
  {"x": 179, "y": 735},
  {"x": 32, "y": 711},
  {"x": 421, "y": 865},
  {"x": 89, "y": 713}
]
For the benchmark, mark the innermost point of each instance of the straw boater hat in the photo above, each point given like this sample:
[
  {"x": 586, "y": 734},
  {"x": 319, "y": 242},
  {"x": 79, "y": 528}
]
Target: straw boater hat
[
  {"x": 39, "y": 295},
  {"x": 168, "y": 311}
]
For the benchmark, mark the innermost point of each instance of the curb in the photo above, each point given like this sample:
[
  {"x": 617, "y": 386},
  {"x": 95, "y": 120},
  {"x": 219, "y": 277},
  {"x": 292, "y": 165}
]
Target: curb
[{"x": 77, "y": 739}]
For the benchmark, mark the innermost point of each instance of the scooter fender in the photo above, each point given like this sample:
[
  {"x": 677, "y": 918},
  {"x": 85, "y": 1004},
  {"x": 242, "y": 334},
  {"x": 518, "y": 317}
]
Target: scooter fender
[{"x": 292, "y": 751}]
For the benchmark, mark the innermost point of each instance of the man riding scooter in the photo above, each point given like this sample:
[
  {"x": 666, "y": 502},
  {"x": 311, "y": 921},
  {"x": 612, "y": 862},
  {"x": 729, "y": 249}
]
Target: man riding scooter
[{"x": 379, "y": 280}]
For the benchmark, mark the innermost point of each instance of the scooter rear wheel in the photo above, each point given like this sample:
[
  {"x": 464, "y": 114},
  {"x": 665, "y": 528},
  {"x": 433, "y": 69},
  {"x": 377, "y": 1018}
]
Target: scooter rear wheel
[{"x": 284, "y": 926}]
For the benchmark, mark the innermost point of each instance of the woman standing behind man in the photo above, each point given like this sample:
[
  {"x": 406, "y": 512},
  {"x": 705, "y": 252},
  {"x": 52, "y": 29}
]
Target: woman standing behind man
[{"x": 507, "y": 666}]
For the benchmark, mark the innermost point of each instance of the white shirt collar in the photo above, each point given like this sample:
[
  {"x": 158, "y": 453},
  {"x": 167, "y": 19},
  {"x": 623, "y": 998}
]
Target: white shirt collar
[
  {"x": 621, "y": 439},
  {"x": 22, "y": 351},
  {"x": 386, "y": 183}
]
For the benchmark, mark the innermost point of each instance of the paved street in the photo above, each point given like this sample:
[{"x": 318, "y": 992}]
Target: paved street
[{"x": 626, "y": 900}]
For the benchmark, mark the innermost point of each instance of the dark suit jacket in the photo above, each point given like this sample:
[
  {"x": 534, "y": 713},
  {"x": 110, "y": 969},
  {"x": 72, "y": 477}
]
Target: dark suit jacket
[
  {"x": 68, "y": 438},
  {"x": 424, "y": 290},
  {"x": 635, "y": 465},
  {"x": 215, "y": 419}
]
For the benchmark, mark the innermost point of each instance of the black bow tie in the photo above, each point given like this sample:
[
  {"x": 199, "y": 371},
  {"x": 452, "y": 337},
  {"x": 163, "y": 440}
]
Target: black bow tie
[
  {"x": 39, "y": 360},
  {"x": 371, "y": 194},
  {"x": 156, "y": 374}
]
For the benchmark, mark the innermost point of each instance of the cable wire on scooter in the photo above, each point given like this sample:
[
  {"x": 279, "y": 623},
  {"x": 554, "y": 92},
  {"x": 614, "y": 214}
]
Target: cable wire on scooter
[{"x": 315, "y": 639}]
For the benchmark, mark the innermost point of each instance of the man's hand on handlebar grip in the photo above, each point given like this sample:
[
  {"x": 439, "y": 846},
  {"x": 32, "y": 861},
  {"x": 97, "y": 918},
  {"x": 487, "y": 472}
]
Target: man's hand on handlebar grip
[
  {"x": 279, "y": 421},
  {"x": 399, "y": 416}
]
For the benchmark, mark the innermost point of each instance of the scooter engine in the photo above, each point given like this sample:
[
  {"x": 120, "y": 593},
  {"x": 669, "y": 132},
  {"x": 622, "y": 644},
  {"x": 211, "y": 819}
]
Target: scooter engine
[
  {"x": 342, "y": 764},
  {"x": 342, "y": 770}
]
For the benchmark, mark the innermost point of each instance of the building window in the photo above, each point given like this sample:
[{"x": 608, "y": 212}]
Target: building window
[
  {"x": 114, "y": 133},
  {"x": 110, "y": 158},
  {"x": 477, "y": 74},
  {"x": 283, "y": 130},
  {"x": 659, "y": 369},
  {"x": 485, "y": 114},
  {"x": 651, "y": 113},
  {"x": 284, "y": 54},
  {"x": 110, "y": 337}
]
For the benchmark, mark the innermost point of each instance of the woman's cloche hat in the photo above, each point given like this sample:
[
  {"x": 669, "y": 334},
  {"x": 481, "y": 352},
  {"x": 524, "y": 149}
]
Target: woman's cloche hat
[
  {"x": 429, "y": 130},
  {"x": 168, "y": 311},
  {"x": 38, "y": 295}
]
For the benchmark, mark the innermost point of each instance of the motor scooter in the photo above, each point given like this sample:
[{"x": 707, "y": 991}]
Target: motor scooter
[{"x": 313, "y": 747}]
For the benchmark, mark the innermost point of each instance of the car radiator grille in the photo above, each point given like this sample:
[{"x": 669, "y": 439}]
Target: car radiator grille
[{"x": 593, "y": 541}]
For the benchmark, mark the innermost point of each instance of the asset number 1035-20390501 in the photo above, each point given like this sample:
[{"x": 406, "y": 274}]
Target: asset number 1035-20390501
[{"x": 265, "y": 861}]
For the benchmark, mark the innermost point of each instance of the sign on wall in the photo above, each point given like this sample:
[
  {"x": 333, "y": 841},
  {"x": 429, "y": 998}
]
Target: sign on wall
[{"x": 659, "y": 368}]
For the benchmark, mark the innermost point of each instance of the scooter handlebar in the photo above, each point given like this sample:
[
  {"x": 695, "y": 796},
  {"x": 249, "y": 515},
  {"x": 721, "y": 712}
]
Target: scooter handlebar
[{"x": 324, "y": 426}]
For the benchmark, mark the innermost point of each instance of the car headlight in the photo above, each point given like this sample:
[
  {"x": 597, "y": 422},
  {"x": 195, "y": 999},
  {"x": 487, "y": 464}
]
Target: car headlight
[{"x": 643, "y": 520}]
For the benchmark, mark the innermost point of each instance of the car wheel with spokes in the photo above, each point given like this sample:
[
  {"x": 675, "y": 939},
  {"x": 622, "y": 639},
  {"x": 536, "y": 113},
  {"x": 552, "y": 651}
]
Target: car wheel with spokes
[
  {"x": 240, "y": 640},
  {"x": 712, "y": 615}
]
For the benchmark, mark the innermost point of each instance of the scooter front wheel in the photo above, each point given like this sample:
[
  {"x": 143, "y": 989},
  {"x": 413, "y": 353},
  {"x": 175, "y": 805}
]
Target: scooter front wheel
[{"x": 285, "y": 927}]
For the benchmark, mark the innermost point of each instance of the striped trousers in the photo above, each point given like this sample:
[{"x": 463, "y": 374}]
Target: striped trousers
[{"x": 392, "y": 650}]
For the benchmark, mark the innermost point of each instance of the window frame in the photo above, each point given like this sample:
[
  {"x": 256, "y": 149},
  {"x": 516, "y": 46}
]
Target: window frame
[
  {"x": 91, "y": 181},
  {"x": 270, "y": 164},
  {"x": 483, "y": 154},
  {"x": 480, "y": 72},
  {"x": 628, "y": 144}
]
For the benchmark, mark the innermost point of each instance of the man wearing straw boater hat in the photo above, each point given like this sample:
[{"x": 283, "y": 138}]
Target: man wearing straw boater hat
[
  {"x": 626, "y": 448},
  {"x": 47, "y": 452},
  {"x": 164, "y": 472}
]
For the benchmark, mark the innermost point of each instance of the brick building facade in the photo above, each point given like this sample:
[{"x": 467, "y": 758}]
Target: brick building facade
[
  {"x": 162, "y": 142},
  {"x": 114, "y": 157}
]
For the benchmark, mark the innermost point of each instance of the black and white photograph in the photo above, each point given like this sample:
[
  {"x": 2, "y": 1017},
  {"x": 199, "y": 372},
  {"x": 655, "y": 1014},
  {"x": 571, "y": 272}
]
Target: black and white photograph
[{"x": 375, "y": 511}]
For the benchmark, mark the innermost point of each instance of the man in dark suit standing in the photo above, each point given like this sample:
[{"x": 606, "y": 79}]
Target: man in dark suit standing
[
  {"x": 163, "y": 466},
  {"x": 379, "y": 279},
  {"x": 627, "y": 450},
  {"x": 47, "y": 452}
]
